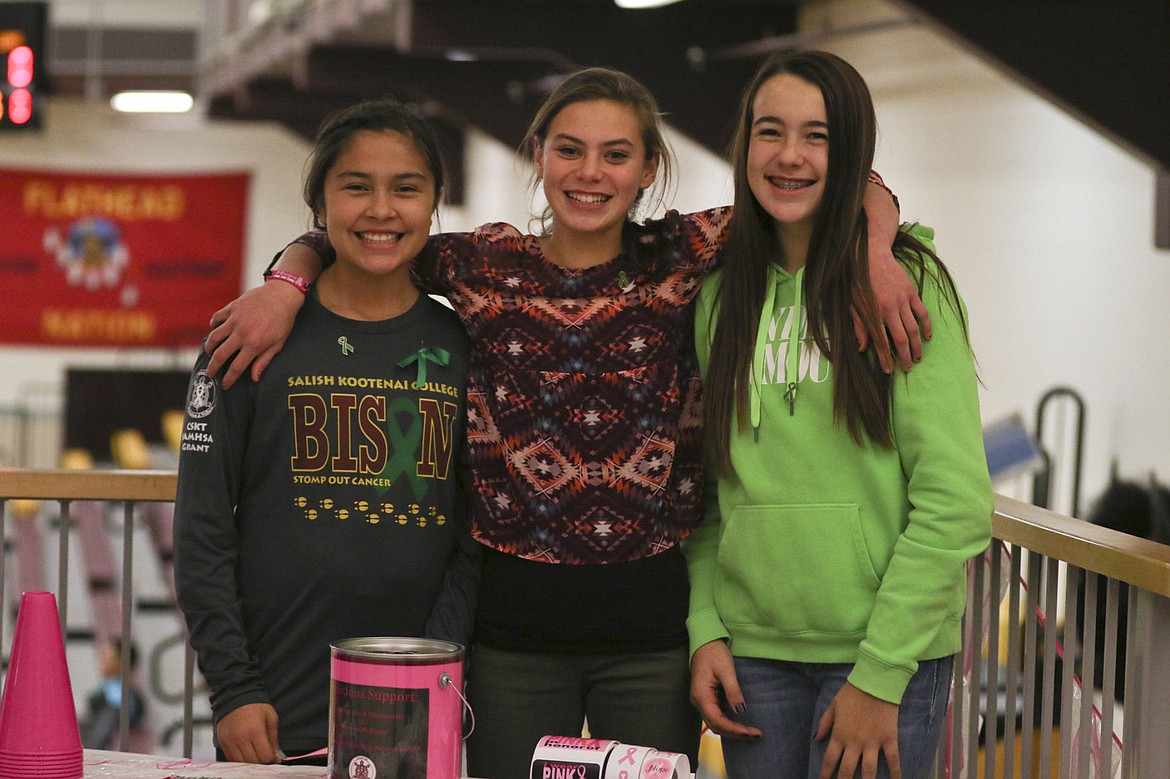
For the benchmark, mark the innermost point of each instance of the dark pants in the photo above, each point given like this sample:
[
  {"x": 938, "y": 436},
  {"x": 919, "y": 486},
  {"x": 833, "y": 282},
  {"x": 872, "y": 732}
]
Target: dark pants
[{"x": 639, "y": 699}]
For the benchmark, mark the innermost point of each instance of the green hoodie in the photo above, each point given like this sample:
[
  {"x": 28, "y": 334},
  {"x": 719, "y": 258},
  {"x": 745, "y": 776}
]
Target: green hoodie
[{"x": 820, "y": 550}]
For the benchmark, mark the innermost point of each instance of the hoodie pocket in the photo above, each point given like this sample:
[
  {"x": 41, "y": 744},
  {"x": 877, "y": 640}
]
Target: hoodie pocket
[{"x": 796, "y": 569}]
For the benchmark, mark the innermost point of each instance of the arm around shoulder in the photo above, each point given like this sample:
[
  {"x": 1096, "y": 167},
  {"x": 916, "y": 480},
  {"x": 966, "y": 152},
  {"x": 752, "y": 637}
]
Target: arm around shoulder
[
  {"x": 252, "y": 329},
  {"x": 904, "y": 320}
]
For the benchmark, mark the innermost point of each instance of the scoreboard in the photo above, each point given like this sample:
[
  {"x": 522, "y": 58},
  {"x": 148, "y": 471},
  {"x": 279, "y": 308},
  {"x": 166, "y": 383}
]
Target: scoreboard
[{"x": 22, "y": 55}]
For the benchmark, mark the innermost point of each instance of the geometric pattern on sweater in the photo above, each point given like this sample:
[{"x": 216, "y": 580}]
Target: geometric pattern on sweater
[{"x": 584, "y": 403}]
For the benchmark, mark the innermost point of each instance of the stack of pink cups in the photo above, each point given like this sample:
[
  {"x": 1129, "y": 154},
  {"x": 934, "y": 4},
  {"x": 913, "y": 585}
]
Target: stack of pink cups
[{"x": 39, "y": 738}]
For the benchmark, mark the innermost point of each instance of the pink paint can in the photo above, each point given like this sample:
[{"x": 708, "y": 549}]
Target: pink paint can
[{"x": 395, "y": 709}]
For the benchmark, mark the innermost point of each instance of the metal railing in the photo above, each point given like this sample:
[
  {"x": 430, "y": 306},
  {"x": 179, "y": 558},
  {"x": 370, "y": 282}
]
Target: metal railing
[
  {"x": 74, "y": 493},
  {"x": 1037, "y": 690}
]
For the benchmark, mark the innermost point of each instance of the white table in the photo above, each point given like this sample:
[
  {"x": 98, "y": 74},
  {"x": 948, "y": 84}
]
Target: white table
[{"x": 127, "y": 765}]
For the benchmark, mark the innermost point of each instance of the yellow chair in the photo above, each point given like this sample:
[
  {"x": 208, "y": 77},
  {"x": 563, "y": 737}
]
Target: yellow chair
[
  {"x": 76, "y": 460},
  {"x": 129, "y": 449},
  {"x": 172, "y": 427},
  {"x": 23, "y": 508}
]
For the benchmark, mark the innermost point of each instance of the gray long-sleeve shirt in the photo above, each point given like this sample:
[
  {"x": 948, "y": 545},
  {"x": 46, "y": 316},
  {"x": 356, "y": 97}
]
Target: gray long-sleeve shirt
[{"x": 327, "y": 501}]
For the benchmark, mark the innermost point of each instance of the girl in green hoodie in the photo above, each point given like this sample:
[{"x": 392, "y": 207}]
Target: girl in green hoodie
[{"x": 828, "y": 578}]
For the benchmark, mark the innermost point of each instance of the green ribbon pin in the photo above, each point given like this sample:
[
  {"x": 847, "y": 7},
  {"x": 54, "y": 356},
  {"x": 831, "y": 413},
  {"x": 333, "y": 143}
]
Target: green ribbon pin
[{"x": 422, "y": 356}]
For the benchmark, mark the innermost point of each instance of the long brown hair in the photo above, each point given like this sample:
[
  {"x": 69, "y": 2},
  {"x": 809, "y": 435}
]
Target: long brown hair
[{"x": 836, "y": 273}]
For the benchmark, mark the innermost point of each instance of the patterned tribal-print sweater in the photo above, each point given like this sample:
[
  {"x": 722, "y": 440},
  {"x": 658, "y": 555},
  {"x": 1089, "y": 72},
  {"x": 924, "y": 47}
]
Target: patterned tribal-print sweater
[{"x": 584, "y": 409}]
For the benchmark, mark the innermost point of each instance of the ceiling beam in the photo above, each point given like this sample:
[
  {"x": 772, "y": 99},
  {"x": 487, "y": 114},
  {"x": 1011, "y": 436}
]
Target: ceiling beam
[
  {"x": 1106, "y": 63},
  {"x": 664, "y": 47},
  {"x": 489, "y": 95},
  {"x": 303, "y": 110}
]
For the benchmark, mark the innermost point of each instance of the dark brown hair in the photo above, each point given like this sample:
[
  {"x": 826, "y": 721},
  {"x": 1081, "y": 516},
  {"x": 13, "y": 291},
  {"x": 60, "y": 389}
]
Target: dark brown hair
[
  {"x": 836, "y": 273},
  {"x": 338, "y": 129}
]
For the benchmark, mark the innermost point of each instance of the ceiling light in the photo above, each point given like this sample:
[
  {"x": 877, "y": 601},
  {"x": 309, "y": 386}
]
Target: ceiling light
[
  {"x": 153, "y": 102},
  {"x": 642, "y": 3}
]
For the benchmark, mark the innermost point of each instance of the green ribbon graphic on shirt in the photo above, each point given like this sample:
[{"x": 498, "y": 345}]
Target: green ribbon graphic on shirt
[
  {"x": 404, "y": 444},
  {"x": 403, "y": 455},
  {"x": 422, "y": 356}
]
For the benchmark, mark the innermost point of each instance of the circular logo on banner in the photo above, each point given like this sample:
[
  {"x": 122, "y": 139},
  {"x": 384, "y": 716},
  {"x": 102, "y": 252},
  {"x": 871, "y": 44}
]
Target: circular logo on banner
[
  {"x": 361, "y": 767},
  {"x": 201, "y": 396},
  {"x": 92, "y": 255}
]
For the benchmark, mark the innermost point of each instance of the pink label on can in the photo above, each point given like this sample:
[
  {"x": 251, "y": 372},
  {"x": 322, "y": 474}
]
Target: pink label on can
[
  {"x": 395, "y": 720},
  {"x": 391, "y": 675}
]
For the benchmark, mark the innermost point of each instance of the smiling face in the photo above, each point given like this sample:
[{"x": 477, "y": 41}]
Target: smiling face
[
  {"x": 593, "y": 164},
  {"x": 379, "y": 196},
  {"x": 788, "y": 150}
]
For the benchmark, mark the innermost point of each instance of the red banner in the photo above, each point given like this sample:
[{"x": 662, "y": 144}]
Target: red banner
[{"x": 114, "y": 260}]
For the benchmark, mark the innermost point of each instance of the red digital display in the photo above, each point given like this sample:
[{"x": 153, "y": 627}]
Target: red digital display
[
  {"x": 20, "y": 106},
  {"x": 20, "y": 67},
  {"x": 22, "y": 35}
]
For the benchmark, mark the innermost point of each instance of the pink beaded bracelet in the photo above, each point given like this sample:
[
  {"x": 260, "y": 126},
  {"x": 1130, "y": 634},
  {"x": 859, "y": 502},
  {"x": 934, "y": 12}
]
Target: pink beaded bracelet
[{"x": 292, "y": 278}]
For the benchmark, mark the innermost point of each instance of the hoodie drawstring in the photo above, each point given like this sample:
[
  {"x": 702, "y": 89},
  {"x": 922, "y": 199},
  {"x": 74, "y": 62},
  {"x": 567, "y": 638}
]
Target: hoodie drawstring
[
  {"x": 792, "y": 361},
  {"x": 792, "y": 356},
  {"x": 761, "y": 346}
]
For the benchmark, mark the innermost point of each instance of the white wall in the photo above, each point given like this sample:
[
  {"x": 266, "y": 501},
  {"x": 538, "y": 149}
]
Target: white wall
[
  {"x": 1047, "y": 226},
  {"x": 1049, "y": 229}
]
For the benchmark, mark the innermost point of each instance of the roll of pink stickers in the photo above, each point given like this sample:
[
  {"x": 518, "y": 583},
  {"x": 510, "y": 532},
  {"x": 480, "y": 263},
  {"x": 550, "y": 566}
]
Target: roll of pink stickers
[
  {"x": 666, "y": 765},
  {"x": 625, "y": 761},
  {"x": 568, "y": 757}
]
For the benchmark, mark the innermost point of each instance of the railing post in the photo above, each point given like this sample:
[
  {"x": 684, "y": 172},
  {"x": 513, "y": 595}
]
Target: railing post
[
  {"x": 3, "y": 562},
  {"x": 1147, "y": 718},
  {"x": 126, "y": 634},
  {"x": 63, "y": 527},
  {"x": 188, "y": 696}
]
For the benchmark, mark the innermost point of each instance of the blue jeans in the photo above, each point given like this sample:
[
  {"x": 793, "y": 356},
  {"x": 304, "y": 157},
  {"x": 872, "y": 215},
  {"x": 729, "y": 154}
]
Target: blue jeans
[{"x": 787, "y": 700}]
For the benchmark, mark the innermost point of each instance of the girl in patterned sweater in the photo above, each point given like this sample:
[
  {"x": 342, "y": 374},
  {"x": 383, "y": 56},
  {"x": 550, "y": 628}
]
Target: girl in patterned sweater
[{"x": 583, "y": 423}]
